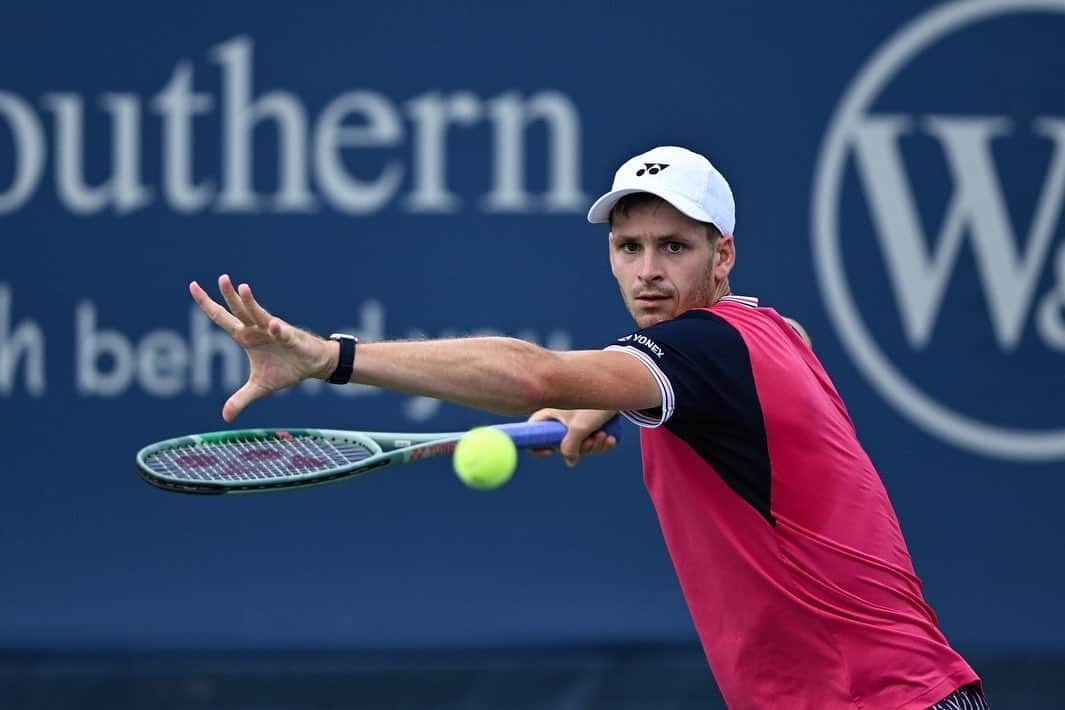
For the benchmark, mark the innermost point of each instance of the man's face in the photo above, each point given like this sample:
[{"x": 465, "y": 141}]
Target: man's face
[{"x": 664, "y": 263}]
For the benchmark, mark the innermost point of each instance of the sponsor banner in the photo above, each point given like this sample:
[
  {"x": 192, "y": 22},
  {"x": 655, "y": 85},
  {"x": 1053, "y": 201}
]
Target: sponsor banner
[{"x": 418, "y": 172}]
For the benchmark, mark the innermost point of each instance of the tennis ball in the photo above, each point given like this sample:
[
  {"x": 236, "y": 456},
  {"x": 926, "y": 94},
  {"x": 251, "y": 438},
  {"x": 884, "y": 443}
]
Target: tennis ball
[{"x": 485, "y": 458}]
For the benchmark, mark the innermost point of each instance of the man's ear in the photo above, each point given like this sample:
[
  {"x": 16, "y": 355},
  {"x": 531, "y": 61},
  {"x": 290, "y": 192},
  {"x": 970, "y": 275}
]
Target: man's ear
[{"x": 726, "y": 256}]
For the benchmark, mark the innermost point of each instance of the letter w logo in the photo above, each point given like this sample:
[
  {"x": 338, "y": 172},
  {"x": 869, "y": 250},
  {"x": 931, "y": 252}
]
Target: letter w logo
[{"x": 919, "y": 273}]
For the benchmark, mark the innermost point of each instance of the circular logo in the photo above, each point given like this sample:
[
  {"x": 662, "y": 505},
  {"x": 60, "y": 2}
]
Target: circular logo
[{"x": 960, "y": 429}]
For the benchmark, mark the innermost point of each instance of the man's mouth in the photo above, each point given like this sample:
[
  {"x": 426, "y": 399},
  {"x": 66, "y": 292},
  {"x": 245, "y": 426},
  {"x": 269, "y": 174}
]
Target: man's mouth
[{"x": 651, "y": 297}]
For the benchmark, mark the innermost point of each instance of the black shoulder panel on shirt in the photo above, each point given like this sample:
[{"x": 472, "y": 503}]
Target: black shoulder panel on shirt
[{"x": 717, "y": 411}]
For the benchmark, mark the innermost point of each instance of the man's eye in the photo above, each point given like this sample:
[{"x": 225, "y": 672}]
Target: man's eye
[
  {"x": 675, "y": 247},
  {"x": 630, "y": 247}
]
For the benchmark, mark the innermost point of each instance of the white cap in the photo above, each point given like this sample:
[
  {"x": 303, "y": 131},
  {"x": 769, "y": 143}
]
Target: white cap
[{"x": 682, "y": 178}]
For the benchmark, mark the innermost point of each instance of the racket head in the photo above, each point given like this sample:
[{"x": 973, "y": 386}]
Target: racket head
[{"x": 248, "y": 460}]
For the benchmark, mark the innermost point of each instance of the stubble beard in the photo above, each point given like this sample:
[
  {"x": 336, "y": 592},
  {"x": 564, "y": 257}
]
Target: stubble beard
[{"x": 705, "y": 296}]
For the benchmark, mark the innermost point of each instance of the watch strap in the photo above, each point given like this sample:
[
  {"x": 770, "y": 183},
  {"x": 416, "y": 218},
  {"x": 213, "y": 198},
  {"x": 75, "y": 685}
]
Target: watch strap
[{"x": 346, "y": 363}]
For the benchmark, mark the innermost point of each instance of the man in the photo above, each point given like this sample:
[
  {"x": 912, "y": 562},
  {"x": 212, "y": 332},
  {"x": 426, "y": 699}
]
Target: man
[{"x": 786, "y": 546}]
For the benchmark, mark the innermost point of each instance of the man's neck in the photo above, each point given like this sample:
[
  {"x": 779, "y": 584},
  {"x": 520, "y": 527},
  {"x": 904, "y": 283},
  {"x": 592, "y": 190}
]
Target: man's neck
[{"x": 720, "y": 291}]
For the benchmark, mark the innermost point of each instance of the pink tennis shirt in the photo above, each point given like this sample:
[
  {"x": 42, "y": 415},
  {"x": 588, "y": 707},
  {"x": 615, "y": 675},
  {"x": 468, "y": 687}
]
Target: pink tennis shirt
[{"x": 788, "y": 551}]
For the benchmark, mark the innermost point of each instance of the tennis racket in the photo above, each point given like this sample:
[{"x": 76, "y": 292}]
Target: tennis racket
[{"x": 249, "y": 460}]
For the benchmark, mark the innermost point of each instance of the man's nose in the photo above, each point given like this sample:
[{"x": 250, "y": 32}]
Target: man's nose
[{"x": 650, "y": 268}]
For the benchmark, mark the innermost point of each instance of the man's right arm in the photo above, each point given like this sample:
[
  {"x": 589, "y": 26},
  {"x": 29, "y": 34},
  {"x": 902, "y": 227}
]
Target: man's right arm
[
  {"x": 501, "y": 375},
  {"x": 508, "y": 376}
]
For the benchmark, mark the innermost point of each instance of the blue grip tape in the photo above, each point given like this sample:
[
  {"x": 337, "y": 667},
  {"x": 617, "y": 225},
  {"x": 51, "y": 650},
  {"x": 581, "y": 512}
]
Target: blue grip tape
[{"x": 549, "y": 434}]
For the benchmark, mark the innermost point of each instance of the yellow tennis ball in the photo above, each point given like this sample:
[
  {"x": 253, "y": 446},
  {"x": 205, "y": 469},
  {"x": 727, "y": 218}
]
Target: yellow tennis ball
[{"x": 485, "y": 458}]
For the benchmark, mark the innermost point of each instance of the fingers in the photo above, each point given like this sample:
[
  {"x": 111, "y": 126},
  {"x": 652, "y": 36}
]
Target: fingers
[
  {"x": 281, "y": 330},
  {"x": 246, "y": 321},
  {"x": 544, "y": 415},
  {"x": 240, "y": 399},
  {"x": 243, "y": 308},
  {"x": 215, "y": 311},
  {"x": 577, "y": 445},
  {"x": 571, "y": 446},
  {"x": 583, "y": 438},
  {"x": 598, "y": 443},
  {"x": 236, "y": 306},
  {"x": 258, "y": 314}
]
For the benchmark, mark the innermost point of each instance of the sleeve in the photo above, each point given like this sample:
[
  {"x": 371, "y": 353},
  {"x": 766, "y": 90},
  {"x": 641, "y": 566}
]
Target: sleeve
[{"x": 700, "y": 362}]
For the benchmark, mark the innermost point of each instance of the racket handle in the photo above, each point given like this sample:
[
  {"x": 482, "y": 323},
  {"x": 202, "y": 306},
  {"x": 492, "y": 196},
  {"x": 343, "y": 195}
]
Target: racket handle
[{"x": 548, "y": 434}]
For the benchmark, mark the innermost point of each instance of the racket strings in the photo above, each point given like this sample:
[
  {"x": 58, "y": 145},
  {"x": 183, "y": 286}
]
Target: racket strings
[{"x": 255, "y": 459}]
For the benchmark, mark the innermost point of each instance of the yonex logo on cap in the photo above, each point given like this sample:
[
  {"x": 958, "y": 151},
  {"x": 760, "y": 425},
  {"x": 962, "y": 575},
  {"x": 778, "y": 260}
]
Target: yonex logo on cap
[
  {"x": 692, "y": 185},
  {"x": 652, "y": 168}
]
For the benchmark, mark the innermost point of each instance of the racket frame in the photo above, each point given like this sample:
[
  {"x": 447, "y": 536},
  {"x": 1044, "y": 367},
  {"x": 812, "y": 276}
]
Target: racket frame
[{"x": 387, "y": 449}]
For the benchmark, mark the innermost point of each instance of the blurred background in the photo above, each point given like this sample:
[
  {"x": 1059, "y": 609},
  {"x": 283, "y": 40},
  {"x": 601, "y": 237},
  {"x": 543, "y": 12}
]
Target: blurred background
[{"x": 402, "y": 170}]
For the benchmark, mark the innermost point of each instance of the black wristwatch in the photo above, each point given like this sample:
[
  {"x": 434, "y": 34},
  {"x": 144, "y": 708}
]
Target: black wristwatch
[{"x": 346, "y": 363}]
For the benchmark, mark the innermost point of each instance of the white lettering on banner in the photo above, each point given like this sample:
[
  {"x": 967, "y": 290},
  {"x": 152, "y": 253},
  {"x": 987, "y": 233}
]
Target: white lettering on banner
[
  {"x": 178, "y": 105},
  {"x": 239, "y": 119},
  {"x": 511, "y": 116},
  {"x": 166, "y": 363},
  {"x": 432, "y": 114},
  {"x": 28, "y": 137},
  {"x": 382, "y": 130},
  {"x": 128, "y": 362},
  {"x": 209, "y": 342},
  {"x": 919, "y": 279},
  {"x": 1008, "y": 273},
  {"x": 19, "y": 343},
  {"x": 123, "y": 191},
  {"x": 363, "y": 129},
  {"x": 1051, "y": 316}
]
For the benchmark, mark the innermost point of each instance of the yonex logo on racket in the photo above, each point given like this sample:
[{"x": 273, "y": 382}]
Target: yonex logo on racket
[{"x": 651, "y": 169}]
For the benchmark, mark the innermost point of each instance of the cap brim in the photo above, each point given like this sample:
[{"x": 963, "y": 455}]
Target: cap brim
[{"x": 600, "y": 210}]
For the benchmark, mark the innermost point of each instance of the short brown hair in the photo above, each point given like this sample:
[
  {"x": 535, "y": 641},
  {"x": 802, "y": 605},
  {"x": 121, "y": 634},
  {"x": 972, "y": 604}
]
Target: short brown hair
[{"x": 644, "y": 199}]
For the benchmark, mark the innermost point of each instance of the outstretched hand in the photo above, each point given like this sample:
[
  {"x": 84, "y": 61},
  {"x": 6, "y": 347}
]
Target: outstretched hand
[{"x": 281, "y": 355}]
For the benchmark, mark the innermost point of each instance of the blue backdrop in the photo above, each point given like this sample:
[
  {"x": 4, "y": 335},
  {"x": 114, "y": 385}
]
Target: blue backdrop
[{"x": 407, "y": 170}]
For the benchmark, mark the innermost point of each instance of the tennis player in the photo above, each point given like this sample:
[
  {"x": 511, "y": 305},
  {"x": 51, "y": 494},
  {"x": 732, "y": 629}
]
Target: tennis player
[{"x": 787, "y": 548}]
